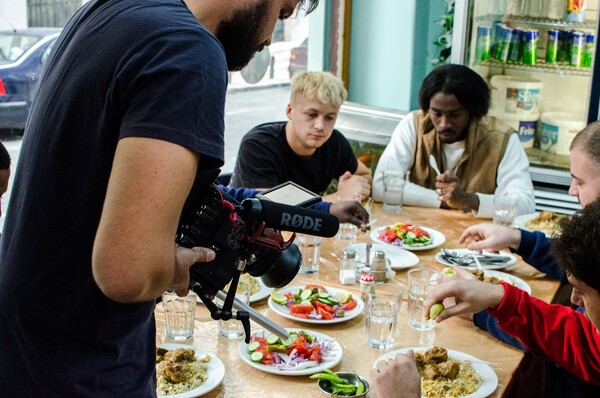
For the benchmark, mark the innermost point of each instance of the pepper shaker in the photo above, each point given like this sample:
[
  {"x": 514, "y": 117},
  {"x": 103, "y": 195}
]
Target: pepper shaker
[{"x": 379, "y": 266}]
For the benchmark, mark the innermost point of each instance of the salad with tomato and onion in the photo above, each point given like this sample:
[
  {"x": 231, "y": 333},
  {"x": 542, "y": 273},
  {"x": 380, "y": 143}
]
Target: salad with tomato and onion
[
  {"x": 405, "y": 234},
  {"x": 315, "y": 302},
  {"x": 300, "y": 351}
]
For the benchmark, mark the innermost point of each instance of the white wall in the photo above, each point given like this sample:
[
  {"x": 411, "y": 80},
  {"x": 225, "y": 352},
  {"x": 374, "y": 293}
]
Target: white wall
[{"x": 13, "y": 13}]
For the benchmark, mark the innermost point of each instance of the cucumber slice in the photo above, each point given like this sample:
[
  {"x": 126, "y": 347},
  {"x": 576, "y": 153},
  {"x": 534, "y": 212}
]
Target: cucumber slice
[
  {"x": 288, "y": 342},
  {"x": 256, "y": 356},
  {"x": 305, "y": 302},
  {"x": 305, "y": 294},
  {"x": 323, "y": 294},
  {"x": 253, "y": 346},
  {"x": 272, "y": 339}
]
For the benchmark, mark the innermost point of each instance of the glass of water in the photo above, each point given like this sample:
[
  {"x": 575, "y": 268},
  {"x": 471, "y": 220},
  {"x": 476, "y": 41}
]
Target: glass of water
[
  {"x": 347, "y": 230},
  {"x": 505, "y": 209},
  {"x": 382, "y": 305},
  {"x": 420, "y": 288},
  {"x": 179, "y": 315}
]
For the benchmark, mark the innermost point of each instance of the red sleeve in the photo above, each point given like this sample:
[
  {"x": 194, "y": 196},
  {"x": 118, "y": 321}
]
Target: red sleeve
[{"x": 554, "y": 332}]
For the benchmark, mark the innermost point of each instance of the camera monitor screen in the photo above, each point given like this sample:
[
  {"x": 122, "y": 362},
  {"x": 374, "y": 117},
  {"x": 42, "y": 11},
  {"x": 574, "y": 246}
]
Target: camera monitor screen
[{"x": 290, "y": 193}]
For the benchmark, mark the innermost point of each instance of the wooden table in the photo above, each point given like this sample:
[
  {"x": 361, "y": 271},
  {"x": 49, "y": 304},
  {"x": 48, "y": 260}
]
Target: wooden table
[{"x": 459, "y": 334}]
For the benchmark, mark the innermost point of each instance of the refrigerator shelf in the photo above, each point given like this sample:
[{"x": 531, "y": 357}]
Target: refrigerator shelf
[
  {"x": 542, "y": 22},
  {"x": 541, "y": 66}
]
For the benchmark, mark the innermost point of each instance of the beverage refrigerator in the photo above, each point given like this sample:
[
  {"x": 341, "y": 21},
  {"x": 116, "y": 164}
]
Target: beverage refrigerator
[{"x": 539, "y": 58}]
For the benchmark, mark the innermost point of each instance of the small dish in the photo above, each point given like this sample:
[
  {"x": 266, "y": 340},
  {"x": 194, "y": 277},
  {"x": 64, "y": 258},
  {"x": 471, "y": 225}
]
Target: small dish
[{"x": 351, "y": 378}]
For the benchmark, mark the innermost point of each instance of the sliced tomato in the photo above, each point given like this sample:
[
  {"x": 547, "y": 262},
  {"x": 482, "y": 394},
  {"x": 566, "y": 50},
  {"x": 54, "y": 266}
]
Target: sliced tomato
[
  {"x": 314, "y": 353},
  {"x": 388, "y": 235},
  {"x": 403, "y": 227},
  {"x": 261, "y": 340},
  {"x": 419, "y": 232},
  {"x": 302, "y": 348},
  {"x": 350, "y": 305},
  {"x": 324, "y": 306},
  {"x": 314, "y": 285},
  {"x": 326, "y": 315},
  {"x": 288, "y": 295},
  {"x": 302, "y": 308},
  {"x": 267, "y": 358}
]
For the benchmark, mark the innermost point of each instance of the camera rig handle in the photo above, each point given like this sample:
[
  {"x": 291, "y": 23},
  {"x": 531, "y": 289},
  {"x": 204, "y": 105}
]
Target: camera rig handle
[{"x": 225, "y": 313}]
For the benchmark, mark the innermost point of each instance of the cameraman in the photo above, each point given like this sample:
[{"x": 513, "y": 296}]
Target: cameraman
[{"x": 127, "y": 116}]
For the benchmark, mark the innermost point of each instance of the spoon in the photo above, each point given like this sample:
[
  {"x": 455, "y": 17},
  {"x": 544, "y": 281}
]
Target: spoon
[{"x": 433, "y": 164}]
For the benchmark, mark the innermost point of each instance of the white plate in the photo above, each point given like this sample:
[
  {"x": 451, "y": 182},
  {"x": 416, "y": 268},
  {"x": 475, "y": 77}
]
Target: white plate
[
  {"x": 489, "y": 380},
  {"x": 514, "y": 280},
  {"x": 398, "y": 258},
  {"x": 437, "y": 239},
  {"x": 261, "y": 294},
  {"x": 284, "y": 311},
  {"x": 512, "y": 260},
  {"x": 215, "y": 371},
  {"x": 523, "y": 218},
  {"x": 334, "y": 357}
]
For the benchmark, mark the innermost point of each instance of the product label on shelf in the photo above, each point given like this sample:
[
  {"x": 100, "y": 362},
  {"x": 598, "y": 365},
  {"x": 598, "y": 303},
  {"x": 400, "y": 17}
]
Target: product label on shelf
[
  {"x": 526, "y": 132},
  {"x": 548, "y": 137}
]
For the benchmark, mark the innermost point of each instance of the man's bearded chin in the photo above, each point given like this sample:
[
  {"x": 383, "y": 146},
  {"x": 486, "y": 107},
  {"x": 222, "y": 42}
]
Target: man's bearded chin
[
  {"x": 240, "y": 36},
  {"x": 238, "y": 51}
]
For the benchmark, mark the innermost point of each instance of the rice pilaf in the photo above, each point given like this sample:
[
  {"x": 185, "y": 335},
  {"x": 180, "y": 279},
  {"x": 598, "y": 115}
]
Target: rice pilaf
[
  {"x": 254, "y": 286},
  {"x": 179, "y": 371},
  {"x": 546, "y": 221},
  {"x": 444, "y": 377}
]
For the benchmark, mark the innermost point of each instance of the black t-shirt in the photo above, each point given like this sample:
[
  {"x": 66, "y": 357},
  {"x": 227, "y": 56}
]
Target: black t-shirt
[
  {"x": 121, "y": 68},
  {"x": 265, "y": 159}
]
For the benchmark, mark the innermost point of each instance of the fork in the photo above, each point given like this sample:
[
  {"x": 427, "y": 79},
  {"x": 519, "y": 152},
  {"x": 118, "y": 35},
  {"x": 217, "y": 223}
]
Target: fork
[{"x": 485, "y": 257}]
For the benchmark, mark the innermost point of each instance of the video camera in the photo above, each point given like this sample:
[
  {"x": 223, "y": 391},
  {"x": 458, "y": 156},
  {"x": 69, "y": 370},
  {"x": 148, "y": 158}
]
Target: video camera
[{"x": 245, "y": 237}]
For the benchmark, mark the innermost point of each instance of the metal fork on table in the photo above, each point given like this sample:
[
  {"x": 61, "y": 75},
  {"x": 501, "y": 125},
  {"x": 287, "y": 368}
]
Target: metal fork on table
[{"x": 467, "y": 259}]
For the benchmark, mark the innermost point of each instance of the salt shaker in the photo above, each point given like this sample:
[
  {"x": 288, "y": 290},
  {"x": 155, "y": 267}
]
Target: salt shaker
[
  {"x": 348, "y": 267},
  {"x": 379, "y": 266}
]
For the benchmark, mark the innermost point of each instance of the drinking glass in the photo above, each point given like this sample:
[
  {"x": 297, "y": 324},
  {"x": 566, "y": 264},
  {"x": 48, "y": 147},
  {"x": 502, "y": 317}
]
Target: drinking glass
[
  {"x": 382, "y": 305},
  {"x": 347, "y": 230},
  {"x": 393, "y": 190},
  {"x": 179, "y": 315},
  {"x": 232, "y": 328},
  {"x": 505, "y": 209},
  {"x": 310, "y": 247},
  {"x": 420, "y": 287}
]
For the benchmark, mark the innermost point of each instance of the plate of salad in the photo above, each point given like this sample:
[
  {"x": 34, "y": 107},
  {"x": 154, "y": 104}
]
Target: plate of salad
[
  {"x": 305, "y": 352},
  {"x": 408, "y": 236},
  {"x": 315, "y": 304}
]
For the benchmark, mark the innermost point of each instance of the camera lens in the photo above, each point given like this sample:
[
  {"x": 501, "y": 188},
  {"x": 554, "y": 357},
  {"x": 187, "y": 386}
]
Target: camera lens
[{"x": 279, "y": 268}]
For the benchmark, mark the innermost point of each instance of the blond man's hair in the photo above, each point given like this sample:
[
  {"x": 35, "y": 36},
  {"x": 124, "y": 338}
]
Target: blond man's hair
[{"x": 325, "y": 86}]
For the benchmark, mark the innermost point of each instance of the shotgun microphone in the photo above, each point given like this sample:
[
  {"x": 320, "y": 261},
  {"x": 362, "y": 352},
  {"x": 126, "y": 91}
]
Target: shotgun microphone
[{"x": 290, "y": 218}]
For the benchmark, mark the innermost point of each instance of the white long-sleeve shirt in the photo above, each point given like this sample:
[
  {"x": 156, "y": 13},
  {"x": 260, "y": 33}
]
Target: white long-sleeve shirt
[{"x": 513, "y": 171}]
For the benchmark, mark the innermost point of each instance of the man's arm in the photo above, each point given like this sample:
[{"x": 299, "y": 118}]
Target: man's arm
[
  {"x": 363, "y": 171},
  {"x": 134, "y": 257}
]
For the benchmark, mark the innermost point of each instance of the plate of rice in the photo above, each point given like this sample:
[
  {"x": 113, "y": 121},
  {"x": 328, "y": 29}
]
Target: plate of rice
[
  {"x": 184, "y": 371},
  {"x": 448, "y": 373},
  {"x": 545, "y": 221},
  {"x": 258, "y": 290}
]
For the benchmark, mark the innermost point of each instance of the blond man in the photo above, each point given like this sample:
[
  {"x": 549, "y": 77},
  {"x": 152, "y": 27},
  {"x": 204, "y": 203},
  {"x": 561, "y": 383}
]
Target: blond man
[{"x": 306, "y": 149}]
